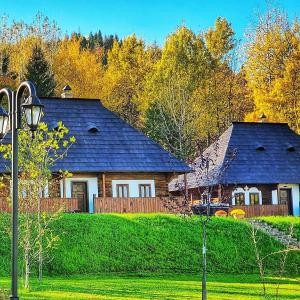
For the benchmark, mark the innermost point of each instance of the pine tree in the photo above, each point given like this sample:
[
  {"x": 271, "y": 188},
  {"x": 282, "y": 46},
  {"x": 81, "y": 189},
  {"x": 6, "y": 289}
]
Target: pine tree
[
  {"x": 99, "y": 39},
  {"x": 39, "y": 72},
  {"x": 91, "y": 41},
  {"x": 84, "y": 43},
  {"x": 4, "y": 57}
]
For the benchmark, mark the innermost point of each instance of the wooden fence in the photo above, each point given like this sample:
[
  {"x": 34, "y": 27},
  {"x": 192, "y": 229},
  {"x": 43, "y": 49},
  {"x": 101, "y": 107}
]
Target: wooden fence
[
  {"x": 131, "y": 205},
  {"x": 141, "y": 205},
  {"x": 47, "y": 204},
  {"x": 162, "y": 204},
  {"x": 262, "y": 210}
]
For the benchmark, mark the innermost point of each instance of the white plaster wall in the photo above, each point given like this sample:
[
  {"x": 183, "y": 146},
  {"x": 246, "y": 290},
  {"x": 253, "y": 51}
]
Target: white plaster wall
[
  {"x": 274, "y": 197},
  {"x": 133, "y": 186},
  {"x": 295, "y": 196},
  {"x": 92, "y": 188}
]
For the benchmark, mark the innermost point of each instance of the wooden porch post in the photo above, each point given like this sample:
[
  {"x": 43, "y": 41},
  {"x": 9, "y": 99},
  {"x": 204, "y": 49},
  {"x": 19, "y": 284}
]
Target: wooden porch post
[
  {"x": 103, "y": 186},
  {"x": 220, "y": 192},
  {"x": 186, "y": 190},
  {"x": 64, "y": 188}
]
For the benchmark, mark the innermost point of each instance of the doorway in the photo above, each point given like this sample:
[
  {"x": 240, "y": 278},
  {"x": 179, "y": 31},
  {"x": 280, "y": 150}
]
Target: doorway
[
  {"x": 285, "y": 197},
  {"x": 79, "y": 191}
]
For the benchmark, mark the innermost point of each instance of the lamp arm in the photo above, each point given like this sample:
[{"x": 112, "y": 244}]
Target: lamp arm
[
  {"x": 10, "y": 96},
  {"x": 32, "y": 92}
]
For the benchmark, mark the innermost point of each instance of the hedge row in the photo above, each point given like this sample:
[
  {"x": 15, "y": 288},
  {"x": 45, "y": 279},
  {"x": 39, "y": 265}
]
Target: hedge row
[{"x": 93, "y": 244}]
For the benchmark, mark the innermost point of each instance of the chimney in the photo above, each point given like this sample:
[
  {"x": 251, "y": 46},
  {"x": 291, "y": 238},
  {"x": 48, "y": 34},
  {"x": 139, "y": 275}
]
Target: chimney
[
  {"x": 67, "y": 92},
  {"x": 263, "y": 118}
]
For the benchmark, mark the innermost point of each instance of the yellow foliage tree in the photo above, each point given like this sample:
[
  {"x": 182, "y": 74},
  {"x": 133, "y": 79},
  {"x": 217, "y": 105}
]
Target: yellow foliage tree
[
  {"x": 80, "y": 68},
  {"x": 123, "y": 84},
  {"x": 272, "y": 68}
]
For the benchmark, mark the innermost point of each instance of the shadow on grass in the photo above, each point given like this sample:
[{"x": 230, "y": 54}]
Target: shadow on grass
[{"x": 182, "y": 286}]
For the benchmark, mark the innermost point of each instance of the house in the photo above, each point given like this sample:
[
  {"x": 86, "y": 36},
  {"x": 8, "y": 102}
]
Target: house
[
  {"x": 256, "y": 164},
  {"x": 110, "y": 158}
]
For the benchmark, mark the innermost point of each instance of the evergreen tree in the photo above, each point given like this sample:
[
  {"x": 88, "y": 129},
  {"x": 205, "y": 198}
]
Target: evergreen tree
[
  {"x": 4, "y": 57},
  {"x": 108, "y": 42},
  {"x": 83, "y": 43},
  {"x": 99, "y": 40},
  {"x": 39, "y": 72},
  {"x": 91, "y": 41}
]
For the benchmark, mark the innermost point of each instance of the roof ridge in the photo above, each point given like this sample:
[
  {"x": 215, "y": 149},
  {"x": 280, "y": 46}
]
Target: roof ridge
[
  {"x": 70, "y": 99},
  {"x": 259, "y": 123},
  {"x": 230, "y": 128}
]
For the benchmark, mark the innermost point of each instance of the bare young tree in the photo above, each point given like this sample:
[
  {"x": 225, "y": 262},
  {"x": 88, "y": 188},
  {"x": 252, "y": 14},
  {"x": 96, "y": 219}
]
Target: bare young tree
[
  {"x": 208, "y": 176},
  {"x": 36, "y": 157},
  {"x": 261, "y": 260},
  {"x": 171, "y": 119}
]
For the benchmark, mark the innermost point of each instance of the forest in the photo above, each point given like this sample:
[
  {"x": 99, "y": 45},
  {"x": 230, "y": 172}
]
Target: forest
[{"x": 184, "y": 93}]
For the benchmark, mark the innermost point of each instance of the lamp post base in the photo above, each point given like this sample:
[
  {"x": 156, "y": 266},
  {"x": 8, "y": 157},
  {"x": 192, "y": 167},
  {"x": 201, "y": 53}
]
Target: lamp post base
[{"x": 14, "y": 298}]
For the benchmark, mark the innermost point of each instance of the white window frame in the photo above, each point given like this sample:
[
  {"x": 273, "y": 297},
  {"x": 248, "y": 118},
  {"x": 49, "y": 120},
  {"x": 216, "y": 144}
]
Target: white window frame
[
  {"x": 247, "y": 192},
  {"x": 237, "y": 191},
  {"x": 255, "y": 190}
]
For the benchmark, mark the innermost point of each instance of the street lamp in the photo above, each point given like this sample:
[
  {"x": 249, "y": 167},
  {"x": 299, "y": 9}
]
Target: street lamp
[
  {"x": 4, "y": 117},
  {"x": 32, "y": 108}
]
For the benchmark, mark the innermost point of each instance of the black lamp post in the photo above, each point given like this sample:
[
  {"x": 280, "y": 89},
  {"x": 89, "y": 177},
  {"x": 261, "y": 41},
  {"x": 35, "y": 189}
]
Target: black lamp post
[{"x": 31, "y": 107}]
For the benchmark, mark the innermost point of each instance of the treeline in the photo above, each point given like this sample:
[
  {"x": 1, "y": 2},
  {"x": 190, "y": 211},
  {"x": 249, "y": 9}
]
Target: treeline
[{"x": 183, "y": 94}]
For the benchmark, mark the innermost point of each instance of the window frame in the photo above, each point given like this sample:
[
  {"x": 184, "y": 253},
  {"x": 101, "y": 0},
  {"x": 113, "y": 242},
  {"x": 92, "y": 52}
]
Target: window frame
[
  {"x": 237, "y": 196},
  {"x": 255, "y": 194},
  {"x": 122, "y": 185},
  {"x": 143, "y": 185}
]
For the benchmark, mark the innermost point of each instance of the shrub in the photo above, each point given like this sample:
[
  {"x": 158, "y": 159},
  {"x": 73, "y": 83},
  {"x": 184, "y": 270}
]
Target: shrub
[{"x": 237, "y": 213}]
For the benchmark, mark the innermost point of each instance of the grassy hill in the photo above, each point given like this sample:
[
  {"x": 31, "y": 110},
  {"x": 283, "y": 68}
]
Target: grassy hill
[{"x": 94, "y": 244}]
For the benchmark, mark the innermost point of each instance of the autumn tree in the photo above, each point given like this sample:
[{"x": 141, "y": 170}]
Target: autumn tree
[
  {"x": 19, "y": 38},
  {"x": 169, "y": 91},
  {"x": 272, "y": 68},
  {"x": 79, "y": 68},
  {"x": 40, "y": 73},
  {"x": 223, "y": 95},
  {"x": 123, "y": 83}
]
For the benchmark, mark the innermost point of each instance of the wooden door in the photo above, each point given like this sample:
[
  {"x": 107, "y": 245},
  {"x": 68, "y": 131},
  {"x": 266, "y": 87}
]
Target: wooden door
[
  {"x": 285, "y": 197},
  {"x": 79, "y": 191}
]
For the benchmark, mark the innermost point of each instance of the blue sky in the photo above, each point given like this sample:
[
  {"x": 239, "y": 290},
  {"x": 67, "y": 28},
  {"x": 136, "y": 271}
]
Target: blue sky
[{"x": 153, "y": 19}]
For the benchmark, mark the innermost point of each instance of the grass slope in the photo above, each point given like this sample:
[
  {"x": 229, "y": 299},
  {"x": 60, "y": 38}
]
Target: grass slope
[
  {"x": 94, "y": 244},
  {"x": 220, "y": 287},
  {"x": 284, "y": 224}
]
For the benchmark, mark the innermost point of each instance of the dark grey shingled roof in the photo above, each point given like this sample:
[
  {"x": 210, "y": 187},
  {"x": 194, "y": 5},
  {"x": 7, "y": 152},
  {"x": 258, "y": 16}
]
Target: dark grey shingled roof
[
  {"x": 257, "y": 153},
  {"x": 114, "y": 146}
]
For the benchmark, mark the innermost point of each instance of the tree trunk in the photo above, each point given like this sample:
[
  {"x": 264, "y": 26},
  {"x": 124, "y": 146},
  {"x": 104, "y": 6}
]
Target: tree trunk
[
  {"x": 27, "y": 269},
  {"x": 40, "y": 258},
  {"x": 204, "y": 296},
  {"x": 40, "y": 263}
]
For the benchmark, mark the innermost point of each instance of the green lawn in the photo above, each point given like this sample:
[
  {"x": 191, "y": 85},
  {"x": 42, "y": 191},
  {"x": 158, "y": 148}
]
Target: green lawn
[{"x": 116, "y": 287}]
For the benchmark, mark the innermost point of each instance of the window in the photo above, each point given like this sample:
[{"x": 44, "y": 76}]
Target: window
[
  {"x": 122, "y": 190},
  {"x": 239, "y": 198},
  {"x": 145, "y": 190},
  {"x": 254, "y": 198}
]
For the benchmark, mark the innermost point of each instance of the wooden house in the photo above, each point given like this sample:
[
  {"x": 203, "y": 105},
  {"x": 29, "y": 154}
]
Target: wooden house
[
  {"x": 110, "y": 159},
  {"x": 257, "y": 165}
]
